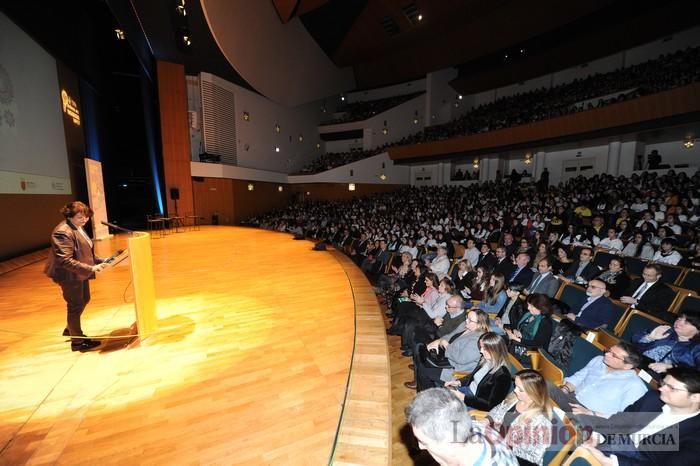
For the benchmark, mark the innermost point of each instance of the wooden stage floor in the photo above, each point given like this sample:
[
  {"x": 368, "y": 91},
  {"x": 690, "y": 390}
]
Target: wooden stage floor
[{"x": 249, "y": 365}]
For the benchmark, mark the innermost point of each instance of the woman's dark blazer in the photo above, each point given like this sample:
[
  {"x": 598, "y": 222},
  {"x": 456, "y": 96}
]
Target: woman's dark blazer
[{"x": 491, "y": 391}]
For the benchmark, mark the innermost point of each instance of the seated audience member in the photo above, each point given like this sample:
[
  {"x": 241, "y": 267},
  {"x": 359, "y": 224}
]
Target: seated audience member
[
  {"x": 542, "y": 252},
  {"x": 562, "y": 261},
  {"x": 524, "y": 418},
  {"x": 534, "y": 329},
  {"x": 512, "y": 310},
  {"x": 647, "y": 217},
  {"x": 504, "y": 265},
  {"x": 495, "y": 295},
  {"x": 672, "y": 225},
  {"x": 463, "y": 276},
  {"x": 490, "y": 382},
  {"x": 471, "y": 253},
  {"x": 440, "y": 264},
  {"x": 442, "y": 425},
  {"x": 650, "y": 295},
  {"x": 486, "y": 258},
  {"x": 639, "y": 247},
  {"x": 526, "y": 248},
  {"x": 509, "y": 245},
  {"x": 669, "y": 347},
  {"x": 605, "y": 386},
  {"x": 479, "y": 285},
  {"x": 666, "y": 253},
  {"x": 583, "y": 269},
  {"x": 661, "y": 428},
  {"x": 447, "y": 326},
  {"x": 387, "y": 282},
  {"x": 611, "y": 243},
  {"x": 522, "y": 273},
  {"x": 415, "y": 302},
  {"x": 597, "y": 310},
  {"x": 616, "y": 279},
  {"x": 432, "y": 310},
  {"x": 376, "y": 261},
  {"x": 462, "y": 354},
  {"x": 543, "y": 281}
]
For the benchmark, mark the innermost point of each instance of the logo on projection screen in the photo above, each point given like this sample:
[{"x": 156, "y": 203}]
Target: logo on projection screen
[{"x": 70, "y": 108}]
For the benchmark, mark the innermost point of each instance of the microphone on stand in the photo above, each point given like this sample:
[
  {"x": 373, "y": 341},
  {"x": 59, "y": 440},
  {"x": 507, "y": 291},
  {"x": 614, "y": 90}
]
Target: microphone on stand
[{"x": 117, "y": 227}]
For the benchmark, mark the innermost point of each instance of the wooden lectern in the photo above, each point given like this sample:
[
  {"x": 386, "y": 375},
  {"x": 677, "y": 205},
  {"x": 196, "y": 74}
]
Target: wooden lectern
[{"x": 142, "y": 278}]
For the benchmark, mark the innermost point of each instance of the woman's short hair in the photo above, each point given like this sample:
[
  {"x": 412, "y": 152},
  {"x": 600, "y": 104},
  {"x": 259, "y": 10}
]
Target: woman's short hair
[
  {"x": 72, "y": 209},
  {"x": 541, "y": 302}
]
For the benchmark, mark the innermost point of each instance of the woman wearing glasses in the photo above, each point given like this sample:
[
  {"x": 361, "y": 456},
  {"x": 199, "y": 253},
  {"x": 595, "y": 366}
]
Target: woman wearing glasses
[
  {"x": 669, "y": 347},
  {"x": 490, "y": 382},
  {"x": 461, "y": 352},
  {"x": 524, "y": 418}
]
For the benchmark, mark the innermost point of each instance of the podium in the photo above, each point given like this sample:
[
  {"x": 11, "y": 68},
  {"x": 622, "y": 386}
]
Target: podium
[{"x": 142, "y": 279}]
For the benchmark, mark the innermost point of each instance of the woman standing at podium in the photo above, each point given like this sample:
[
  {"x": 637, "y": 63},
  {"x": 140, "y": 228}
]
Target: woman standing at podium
[{"x": 71, "y": 264}]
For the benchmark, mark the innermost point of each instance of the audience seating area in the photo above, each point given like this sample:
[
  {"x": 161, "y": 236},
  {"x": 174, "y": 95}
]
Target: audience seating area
[
  {"x": 527, "y": 219},
  {"x": 663, "y": 73}
]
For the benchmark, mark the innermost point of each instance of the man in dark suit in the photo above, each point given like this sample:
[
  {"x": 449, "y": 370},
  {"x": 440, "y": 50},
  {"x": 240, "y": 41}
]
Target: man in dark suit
[
  {"x": 71, "y": 264},
  {"x": 659, "y": 428},
  {"x": 650, "y": 295},
  {"x": 583, "y": 270},
  {"x": 504, "y": 265},
  {"x": 598, "y": 310},
  {"x": 544, "y": 281},
  {"x": 522, "y": 273},
  {"x": 486, "y": 258}
]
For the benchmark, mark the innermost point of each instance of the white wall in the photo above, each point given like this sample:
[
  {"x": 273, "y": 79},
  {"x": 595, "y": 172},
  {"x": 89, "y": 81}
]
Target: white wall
[
  {"x": 259, "y": 132},
  {"x": 674, "y": 153},
  {"x": 389, "y": 91},
  {"x": 281, "y": 61},
  {"x": 649, "y": 51},
  {"x": 678, "y": 41},
  {"x": 364, "y": 171},
  {"x": 399, "y": 121},
  {"x": 440, "y": 97}
]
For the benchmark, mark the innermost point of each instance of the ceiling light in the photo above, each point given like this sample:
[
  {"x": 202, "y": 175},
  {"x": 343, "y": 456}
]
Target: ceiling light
[
  {"x": 420, "y": 18},
  {"x": 280, "y": 188},
  {"x": 689, "y": 143},
  {"x": 277, "y": 128},
  {"x": 251, "y": 187},
  {"x": 119, "y": 33},
  {"x": 351, "y": 186},
  {"x": 382, "y": 177},
  {"x": 277, "y": 149},
  {"x": 246, "y": 116}
]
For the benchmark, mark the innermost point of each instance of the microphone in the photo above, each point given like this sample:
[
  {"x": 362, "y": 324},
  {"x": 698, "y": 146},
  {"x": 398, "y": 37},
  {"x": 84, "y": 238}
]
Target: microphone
[{"x": 117, "y": 227}]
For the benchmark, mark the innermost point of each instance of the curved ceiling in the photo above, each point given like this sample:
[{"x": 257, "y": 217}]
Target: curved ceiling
[{"x": 281, "y": 61}]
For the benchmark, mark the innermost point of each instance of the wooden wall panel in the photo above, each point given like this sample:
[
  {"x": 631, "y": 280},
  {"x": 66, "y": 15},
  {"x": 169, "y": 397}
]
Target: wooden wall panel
[
  {"x": 234, "y": 203},
  {"x": 172, "y": 100},
  {"x": 33, "y": 218},
  {"x": 213, "y": 196},
  {"x": 675, "y": 102}
]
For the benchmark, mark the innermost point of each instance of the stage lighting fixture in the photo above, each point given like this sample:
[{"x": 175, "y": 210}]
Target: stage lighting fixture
[{"x": 180, "y": 8}]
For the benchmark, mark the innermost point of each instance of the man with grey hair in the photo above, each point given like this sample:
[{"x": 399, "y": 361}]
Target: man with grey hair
[{"x": 442, "y": 425}]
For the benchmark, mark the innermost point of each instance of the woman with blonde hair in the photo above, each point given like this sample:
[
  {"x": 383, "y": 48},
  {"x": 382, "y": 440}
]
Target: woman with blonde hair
[
  {"x": 524, "y": 418},
  {"x": 490, "y": 382}
]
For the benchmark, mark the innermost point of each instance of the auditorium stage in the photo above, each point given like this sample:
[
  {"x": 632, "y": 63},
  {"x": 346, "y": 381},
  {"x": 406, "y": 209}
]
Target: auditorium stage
[{"x": 249, "y": 365}]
